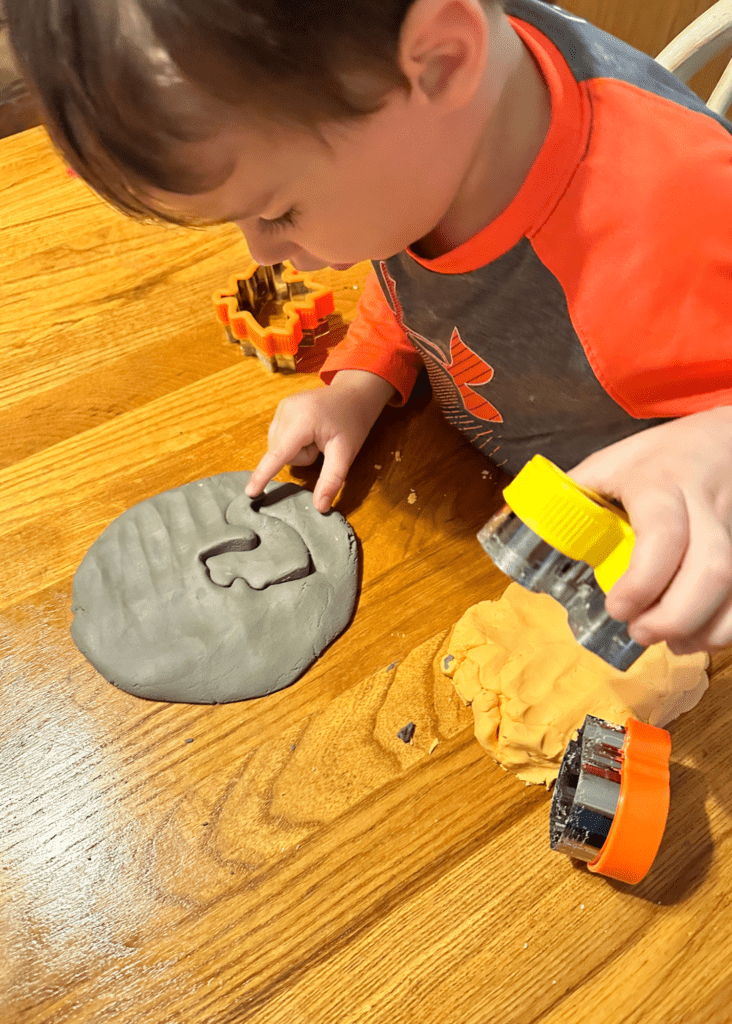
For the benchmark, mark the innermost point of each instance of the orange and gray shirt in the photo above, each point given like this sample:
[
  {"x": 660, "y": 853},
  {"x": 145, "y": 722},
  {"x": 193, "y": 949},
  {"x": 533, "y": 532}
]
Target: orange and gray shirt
[{"x": 600, "y": 301}]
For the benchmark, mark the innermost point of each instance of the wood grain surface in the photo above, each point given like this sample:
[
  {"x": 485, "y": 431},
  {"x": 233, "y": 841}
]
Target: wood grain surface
[{"x": 287, "y": 859}]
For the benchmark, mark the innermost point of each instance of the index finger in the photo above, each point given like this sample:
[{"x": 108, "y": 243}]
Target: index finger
[{"x": 269, "y": 466}]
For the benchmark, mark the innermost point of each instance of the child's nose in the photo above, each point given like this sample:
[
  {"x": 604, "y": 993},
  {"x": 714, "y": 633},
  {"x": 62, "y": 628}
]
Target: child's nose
[{"x": 268, "y": 251}]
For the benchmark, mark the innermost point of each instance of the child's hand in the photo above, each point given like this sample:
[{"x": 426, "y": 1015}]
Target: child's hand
[
  {"x": 675, "y": 482},
  {"x": 334, "y": 420}
]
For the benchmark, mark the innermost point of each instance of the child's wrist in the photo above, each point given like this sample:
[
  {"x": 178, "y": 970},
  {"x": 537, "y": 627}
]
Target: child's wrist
[{"x": 363, "y": 384}]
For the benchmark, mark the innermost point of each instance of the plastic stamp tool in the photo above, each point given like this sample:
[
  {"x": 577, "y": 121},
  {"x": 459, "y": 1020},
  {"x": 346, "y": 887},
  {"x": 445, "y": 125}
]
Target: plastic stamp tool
[
  {"x": 555, "y": 537},
  {"x": 611, "y": 797}
]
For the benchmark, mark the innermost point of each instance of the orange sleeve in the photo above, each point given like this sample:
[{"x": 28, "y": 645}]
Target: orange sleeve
[
  {"x": 648, "y": 281},
  {"x": 375, "y": 342}
]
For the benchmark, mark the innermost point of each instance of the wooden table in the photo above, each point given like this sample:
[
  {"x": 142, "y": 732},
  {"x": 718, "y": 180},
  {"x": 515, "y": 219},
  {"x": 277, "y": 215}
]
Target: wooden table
[{"x": 287, "y": 859}]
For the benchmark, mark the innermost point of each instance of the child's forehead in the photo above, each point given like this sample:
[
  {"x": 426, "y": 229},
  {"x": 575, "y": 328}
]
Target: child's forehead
[
  {"x": 224, "y": 167},
  {"x": 250, "y": 168}
]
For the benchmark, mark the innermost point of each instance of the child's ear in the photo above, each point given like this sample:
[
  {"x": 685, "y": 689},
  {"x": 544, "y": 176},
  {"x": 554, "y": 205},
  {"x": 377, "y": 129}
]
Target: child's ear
[{"x": 443, "y": 49}]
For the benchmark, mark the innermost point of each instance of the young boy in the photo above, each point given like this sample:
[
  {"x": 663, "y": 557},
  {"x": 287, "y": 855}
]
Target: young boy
[{"x": 548, "y": 211}]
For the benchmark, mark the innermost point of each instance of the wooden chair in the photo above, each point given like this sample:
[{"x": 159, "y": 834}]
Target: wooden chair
[{"x": 693, "y": 48}]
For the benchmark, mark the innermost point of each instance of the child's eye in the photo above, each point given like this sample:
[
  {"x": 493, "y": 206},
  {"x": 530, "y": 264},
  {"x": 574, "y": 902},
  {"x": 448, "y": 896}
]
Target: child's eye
[{"x": 288, "y": 219}]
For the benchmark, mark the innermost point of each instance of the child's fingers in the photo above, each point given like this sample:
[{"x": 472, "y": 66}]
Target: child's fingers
[
  {"x": 271, "y": 463},
  {"x": 269, "y": 466},
  {"x": 719, "y": 633},
  {"x": 660, "y": 522},
  {"x": 701, "y": 589},
  {"x": 306, "y": 456},
  {"x": 716, "y": 634},
  {"x": 337, "y": 459},
  {"x": 291, "y": 432}
]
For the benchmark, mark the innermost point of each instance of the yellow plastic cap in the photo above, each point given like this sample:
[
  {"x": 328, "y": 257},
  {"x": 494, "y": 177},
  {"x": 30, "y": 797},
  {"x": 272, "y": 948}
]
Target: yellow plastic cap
[{"x": 572, "y": 519}]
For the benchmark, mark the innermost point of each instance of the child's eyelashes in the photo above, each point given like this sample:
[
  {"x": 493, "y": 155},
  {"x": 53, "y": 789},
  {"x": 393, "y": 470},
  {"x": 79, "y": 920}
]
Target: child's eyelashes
[{"x": 286, "y": 220}]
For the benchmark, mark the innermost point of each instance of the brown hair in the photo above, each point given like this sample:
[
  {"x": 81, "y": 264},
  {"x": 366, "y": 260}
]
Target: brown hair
[{"x": 123, "y": 83}]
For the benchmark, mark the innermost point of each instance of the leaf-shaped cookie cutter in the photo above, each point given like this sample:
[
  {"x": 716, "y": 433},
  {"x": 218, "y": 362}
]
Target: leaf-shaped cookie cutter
[{"x": 252, "y": 301}]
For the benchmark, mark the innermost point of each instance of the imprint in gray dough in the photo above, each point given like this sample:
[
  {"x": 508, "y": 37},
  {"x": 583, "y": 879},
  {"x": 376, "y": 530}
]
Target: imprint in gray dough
[{"x": 204, "y": 595}]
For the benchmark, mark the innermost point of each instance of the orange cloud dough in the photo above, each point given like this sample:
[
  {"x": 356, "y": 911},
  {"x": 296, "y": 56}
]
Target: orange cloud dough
[{"x": 531, "y": 684}]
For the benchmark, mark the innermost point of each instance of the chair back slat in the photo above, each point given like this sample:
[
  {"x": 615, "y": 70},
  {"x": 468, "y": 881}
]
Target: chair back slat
[{"x": 699, "y": 42}]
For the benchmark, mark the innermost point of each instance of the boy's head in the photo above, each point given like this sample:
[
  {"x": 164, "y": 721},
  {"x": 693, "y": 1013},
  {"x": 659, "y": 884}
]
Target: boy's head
[{"x": 269, "y": 113}]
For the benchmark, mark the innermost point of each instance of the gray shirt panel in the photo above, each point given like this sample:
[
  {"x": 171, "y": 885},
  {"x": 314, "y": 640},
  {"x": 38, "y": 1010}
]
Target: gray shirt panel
[
  {"x": 592, "y": 53},
  {"x": 512, "y": 314}
]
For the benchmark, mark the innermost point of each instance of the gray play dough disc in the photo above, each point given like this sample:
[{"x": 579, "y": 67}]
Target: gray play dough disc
[{"x": 204, "y": 595}]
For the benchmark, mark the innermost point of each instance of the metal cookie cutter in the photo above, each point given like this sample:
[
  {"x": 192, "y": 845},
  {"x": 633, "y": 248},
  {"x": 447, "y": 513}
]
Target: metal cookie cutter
[
  {"x": 555, "y": 537},
  {"x": 280, "y": 315},
  {"x": 611, "y": 797}
]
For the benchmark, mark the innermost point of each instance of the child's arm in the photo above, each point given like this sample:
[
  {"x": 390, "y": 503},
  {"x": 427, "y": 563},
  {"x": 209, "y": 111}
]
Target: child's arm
[
  {"x": 373, "y": 364},
  {"x": 334, "y": 420},
  {"x": 675, "y": 482}
]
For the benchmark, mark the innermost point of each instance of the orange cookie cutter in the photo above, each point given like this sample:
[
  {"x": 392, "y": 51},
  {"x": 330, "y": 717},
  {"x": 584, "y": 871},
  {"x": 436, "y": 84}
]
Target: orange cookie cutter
[
  {"x": 611, "y": 798},
  {"x": 277, "y": 313}
]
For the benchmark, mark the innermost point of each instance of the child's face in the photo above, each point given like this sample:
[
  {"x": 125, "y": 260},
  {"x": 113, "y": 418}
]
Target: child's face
[{"x": 364, "y": 190}]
